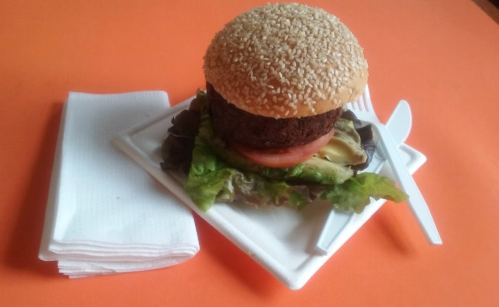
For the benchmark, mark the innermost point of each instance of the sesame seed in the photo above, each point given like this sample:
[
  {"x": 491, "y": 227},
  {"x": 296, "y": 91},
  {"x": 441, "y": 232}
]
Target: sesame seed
[{"x": 290, "y": 52}]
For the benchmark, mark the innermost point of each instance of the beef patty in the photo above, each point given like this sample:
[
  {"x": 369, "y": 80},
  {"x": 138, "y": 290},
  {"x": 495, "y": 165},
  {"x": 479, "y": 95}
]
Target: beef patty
[{"x": 235, "y": 125}]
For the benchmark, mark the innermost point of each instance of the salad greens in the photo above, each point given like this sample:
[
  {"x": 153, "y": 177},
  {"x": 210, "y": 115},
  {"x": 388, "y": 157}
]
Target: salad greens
[{"x": 219, "y": 173}]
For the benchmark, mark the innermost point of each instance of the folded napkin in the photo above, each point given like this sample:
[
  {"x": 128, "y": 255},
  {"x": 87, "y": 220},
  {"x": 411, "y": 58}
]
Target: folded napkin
[{"x": 104, "y": 213}]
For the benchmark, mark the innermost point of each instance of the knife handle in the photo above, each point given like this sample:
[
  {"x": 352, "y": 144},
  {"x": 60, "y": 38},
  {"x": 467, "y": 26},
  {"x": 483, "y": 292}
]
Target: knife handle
[{"x": 416, "y": 200}]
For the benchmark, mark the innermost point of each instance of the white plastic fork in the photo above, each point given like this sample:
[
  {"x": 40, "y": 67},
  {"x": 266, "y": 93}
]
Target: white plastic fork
[{"x": 364, "y": 110}]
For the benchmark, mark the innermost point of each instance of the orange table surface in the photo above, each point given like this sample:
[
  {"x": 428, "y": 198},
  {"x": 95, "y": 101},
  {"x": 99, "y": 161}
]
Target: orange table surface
[{"x": 441, "y": 56}]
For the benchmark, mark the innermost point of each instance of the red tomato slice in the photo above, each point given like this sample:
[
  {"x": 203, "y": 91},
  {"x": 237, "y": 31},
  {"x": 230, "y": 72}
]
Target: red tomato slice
[{"x": 285, "y": 157}]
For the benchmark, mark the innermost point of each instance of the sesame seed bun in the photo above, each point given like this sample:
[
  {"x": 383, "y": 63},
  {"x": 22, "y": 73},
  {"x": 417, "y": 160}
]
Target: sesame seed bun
[{"x": 286, "y": 61}]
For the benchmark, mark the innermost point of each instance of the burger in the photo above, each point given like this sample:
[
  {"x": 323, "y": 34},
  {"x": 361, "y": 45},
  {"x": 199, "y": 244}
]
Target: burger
[{"x": 271, "y": 127}]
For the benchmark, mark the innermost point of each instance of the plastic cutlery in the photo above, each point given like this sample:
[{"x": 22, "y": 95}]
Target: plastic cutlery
[
  {"x": 400, "y": 122},
  {"x": 399, "y": 125},
  {"x": 364, "y": 111}
]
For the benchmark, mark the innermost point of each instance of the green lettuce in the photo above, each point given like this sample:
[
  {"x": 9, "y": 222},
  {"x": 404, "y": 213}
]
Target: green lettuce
[
  {"x": 217, "y": 173},
  {"x": 355, "y": 193},
  {"x": 211, "y": 179}
]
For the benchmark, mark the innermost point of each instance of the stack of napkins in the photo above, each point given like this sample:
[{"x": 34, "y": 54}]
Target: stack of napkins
[{"x": 105, "y": 214}]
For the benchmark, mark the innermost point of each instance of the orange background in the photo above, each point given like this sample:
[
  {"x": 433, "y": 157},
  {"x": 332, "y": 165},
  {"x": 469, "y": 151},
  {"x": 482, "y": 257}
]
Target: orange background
[{"x": 441, "y": 56}]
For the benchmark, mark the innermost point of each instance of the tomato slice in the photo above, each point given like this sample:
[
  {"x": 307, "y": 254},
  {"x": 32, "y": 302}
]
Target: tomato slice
[{"x": 285, "y": 157}]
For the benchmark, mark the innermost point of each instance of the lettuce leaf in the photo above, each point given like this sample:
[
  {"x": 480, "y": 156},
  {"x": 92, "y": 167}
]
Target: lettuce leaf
[
  {"x": 211, "y": 179},
  {"x": 355, "y": 193},
  {"x": 217, "y": 174}
]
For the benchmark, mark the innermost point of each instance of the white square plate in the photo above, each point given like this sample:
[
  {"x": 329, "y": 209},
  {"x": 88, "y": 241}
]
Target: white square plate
[{"x": 280, "y": 239}]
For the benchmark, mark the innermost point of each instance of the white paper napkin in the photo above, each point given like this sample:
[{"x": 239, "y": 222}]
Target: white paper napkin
[{"x": 104, "y": 213}]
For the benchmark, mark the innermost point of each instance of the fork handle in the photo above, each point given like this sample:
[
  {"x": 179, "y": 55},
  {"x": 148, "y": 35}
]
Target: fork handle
[{"x": 416, "y": 201}]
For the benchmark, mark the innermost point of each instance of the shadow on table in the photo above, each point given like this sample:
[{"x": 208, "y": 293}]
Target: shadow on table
[
  {"x": 392, "y": 234},
  {"x": 23, "y": 247},
  {"x": 241, "y": 265}
]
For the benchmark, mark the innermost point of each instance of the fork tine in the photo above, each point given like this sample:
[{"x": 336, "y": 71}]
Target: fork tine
[
  {"x": 361, "y": 103},
  {"x": 367, "y": 100},
  {"x": 353, "y": 106}
]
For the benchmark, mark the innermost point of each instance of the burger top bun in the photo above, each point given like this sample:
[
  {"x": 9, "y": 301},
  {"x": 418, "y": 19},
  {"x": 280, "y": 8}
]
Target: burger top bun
[{"x": 285, "y": 61}]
